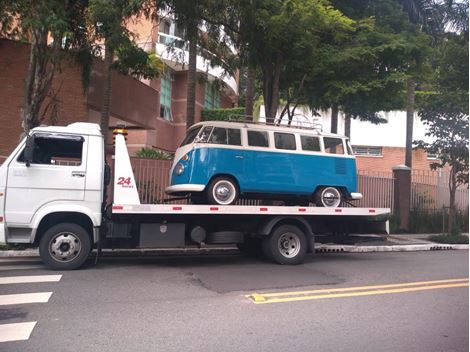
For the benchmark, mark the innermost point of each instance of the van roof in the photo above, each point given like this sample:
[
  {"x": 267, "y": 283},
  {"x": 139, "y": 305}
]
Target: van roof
[
  {"x": 261, "y": 126},
  {"x": 84, "y": 128}
]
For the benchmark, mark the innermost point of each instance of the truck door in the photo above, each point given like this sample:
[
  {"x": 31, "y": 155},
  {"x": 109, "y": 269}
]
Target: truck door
[{"x": 56, "y": 173}]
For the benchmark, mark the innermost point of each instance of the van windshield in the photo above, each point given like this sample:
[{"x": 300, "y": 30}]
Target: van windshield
[{"x": 192, "y": 133}]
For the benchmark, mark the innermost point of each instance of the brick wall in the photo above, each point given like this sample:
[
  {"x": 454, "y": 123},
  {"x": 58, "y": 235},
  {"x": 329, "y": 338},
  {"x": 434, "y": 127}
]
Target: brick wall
[
  {"x": 392, "y": 156},
  {"x": 13, "y": 67}
]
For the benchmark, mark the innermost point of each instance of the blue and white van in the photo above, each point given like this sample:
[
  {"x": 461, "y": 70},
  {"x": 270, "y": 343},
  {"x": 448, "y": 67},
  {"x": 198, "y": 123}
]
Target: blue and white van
[{"x": 219, "y": 162}]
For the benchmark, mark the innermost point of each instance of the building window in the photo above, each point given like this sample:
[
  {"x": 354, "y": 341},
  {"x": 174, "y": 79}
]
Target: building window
[
  {"x": 367, "y": 151},
  {"x": 165, "y": 96},
  {"x": 211, "y": 96},
  {"x": 431, "y": 156}
]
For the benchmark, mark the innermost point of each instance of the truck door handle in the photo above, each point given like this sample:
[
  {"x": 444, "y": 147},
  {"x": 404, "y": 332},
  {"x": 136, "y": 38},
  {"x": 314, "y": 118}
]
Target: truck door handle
[
  {"x": 239, "y": 156},
  {"x": 78, "y": 174}
]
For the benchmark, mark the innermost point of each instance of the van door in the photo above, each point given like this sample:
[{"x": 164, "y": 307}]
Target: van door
[{"x": 56, "y": 173}]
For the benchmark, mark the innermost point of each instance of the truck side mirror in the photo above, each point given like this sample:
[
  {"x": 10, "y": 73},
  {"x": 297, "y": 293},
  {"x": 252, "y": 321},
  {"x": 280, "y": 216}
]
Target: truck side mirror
[{"x": 29, "y": 150}]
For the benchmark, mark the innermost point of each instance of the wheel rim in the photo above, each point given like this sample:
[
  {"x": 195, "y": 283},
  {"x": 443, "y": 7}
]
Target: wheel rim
[
  {"x": 224, "y": 192},
  {"x": 65, "y": 247},
  {"x": 330, "y": 197},
  {"x": 289, "y": 244}
]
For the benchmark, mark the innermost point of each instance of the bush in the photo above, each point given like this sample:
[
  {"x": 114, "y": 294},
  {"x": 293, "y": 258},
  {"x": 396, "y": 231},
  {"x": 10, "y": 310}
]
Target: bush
[
  {"x": 221, "y": 114},
  {"x": 150, "y": 153},
  {"x": 435, "y": 221},
  {"x": 449, "y": 239}
]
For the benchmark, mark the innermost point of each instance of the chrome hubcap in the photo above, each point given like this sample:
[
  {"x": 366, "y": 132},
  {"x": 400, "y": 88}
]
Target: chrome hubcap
[
  {"x": 224, "y": 192},
  {"x": 289, "y": 244},
  {"x": 330, "y": 197},
  {"x": 65, "y": 247}
]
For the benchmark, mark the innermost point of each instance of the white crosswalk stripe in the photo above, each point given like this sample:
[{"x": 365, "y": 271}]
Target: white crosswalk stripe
[
  {"x": 16, "y": 331},
  {"x": 24, "y": 298},
  {"x": 29, "y": 279},
  {"x": 21, "y": 331}
]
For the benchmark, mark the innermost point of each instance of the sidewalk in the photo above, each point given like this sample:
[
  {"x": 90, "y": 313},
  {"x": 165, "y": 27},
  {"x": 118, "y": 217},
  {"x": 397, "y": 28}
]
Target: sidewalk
[{"x": 324, "y": 244}]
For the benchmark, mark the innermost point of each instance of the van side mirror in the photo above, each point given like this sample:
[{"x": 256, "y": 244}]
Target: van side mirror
[{"x": 29, "y": 150}]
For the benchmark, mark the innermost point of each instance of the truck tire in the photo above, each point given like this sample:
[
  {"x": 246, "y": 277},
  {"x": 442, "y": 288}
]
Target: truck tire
[
  {"x": 65, "y": 246},
  {"x": 287, "y": 244}
]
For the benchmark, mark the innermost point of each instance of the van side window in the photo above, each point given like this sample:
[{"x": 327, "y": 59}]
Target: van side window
[
  {"x": 218, "y": 136},
  {"x": 284, "y": 141},
  {"x": 204, "y": 135},
  {"x": 258, "y": 139},
  {"x": 312, "y": 144},
  {"x": 192, "y": 133},
  {"x": 56, "y": 150},
  {"x": 333, "y": 145},
  {"x": 234, "y": 136}
]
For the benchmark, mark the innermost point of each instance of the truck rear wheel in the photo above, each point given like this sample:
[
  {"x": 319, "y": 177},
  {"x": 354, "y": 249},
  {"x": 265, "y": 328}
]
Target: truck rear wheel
[
  {"x": 65, "y": 246},
  {"x": 287, "y": 244}
]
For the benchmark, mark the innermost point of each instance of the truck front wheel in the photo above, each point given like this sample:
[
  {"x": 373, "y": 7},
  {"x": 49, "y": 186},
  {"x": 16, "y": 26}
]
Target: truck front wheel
[
  {"x": 65, "y": 246},
  {"x": 286, "y": 245}
]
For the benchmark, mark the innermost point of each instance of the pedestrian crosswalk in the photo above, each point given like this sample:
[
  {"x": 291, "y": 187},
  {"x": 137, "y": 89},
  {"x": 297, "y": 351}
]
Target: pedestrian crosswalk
[{"x": 13, "y": 296}]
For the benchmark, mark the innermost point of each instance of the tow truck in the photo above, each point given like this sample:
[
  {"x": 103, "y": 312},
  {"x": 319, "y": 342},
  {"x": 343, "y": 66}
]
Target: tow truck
[{"x": 53, "y": 195}]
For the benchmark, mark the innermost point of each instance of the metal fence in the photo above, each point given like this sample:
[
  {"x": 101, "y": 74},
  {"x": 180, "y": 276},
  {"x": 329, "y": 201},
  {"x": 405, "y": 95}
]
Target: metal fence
[{"x": 376, "y": 189}]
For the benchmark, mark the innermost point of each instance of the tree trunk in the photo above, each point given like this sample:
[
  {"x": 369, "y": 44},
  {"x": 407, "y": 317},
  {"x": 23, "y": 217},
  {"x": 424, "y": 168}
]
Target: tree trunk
[
  {"x": 191, "y": 88},
  {"x": 271, "y": 81},
  {"x": 334, "y": 119},
  {"x": 452, "y": 191},
  {"x": 410, "y": 109},
  {"x": 106, "y": 102},
  {"x": 249, "y": 93},
  {"x": 347, "y": 125}
]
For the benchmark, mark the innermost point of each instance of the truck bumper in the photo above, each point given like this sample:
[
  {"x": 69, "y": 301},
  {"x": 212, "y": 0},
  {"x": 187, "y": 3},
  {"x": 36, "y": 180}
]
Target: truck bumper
[{"x": 356, "y": 196}]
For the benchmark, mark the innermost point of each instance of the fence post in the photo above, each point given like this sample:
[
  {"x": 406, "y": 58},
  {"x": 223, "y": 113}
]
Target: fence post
[{"x": 402, "y": 195}]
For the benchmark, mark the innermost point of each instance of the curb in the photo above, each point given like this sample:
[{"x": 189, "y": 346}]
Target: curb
[{"x": 319, "y": 248}]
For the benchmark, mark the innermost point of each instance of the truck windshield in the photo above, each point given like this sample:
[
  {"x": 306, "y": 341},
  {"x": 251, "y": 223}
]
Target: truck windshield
[{"x": 192, "y": 133}]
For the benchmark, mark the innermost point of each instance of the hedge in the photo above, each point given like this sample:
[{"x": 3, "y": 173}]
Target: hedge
[{"x": 221, "y": 114}]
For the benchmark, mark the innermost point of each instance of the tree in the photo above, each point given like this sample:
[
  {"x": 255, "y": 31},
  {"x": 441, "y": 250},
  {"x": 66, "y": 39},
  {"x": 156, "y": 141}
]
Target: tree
[
  {"x": 279, "y": 37},
  {"x": 445, "y": 113},
  {"x": 52, "y": 27},
  {"x": 109, "y": 19}
]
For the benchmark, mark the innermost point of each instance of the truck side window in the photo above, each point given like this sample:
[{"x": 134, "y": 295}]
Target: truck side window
[
  {"x": 284, "y": 141},
  {"x": 56, "y": 150},
  {"x": 258, "y": 139},
  {"x": 333, "y": 145},
  {"x": 311, "y": 144}
]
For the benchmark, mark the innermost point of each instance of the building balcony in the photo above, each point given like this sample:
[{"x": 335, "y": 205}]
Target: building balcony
[{"x": 174, "y": 51}]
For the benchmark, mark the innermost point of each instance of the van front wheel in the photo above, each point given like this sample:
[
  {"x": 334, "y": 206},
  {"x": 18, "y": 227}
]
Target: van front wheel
[
  {"x": 222, "y": 191},
  {"x": 329, "y": 197}
]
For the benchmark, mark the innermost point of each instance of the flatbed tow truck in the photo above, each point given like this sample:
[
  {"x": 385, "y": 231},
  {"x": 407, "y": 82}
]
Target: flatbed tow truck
[{"x": 53, "y": 195}]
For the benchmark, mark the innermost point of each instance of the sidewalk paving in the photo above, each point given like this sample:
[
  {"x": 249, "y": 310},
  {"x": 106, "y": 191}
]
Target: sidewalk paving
[{"x": 324, "y": 244}]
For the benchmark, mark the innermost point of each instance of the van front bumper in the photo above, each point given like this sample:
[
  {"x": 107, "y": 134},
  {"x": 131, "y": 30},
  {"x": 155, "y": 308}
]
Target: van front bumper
[{"x": 184, "y": 188}]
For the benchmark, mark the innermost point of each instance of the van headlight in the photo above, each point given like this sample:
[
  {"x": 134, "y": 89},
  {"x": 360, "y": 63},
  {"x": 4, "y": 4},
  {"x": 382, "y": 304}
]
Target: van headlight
[{"x": 179, "y": 169}]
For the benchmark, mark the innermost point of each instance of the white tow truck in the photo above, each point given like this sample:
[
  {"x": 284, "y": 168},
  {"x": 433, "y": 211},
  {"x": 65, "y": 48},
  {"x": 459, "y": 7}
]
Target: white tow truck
[{"x": 53, "y": 195}]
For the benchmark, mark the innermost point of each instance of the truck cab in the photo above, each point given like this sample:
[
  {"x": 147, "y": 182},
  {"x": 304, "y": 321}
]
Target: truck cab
[{"x": 55, "y": 175}]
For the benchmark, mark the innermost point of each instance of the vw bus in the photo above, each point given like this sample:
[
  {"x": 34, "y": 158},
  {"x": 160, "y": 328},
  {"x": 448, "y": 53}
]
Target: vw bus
[{"x": 219, "y": 162}]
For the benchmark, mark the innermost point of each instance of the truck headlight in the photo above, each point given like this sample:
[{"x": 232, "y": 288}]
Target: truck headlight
[{"x": 179, "y": 169}]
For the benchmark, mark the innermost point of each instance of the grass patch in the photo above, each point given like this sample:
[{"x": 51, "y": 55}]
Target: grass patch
[{"x": 449, "y": 239}]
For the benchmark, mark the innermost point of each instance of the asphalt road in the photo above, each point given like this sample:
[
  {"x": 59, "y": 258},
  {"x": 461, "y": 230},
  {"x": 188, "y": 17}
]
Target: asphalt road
[{"x": 418, "y": 302}]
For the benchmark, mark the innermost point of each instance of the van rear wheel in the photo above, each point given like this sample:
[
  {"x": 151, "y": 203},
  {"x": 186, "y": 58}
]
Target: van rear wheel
[
  {"x": 222, "y": 191},
  {"x": 329, "y": 197}
]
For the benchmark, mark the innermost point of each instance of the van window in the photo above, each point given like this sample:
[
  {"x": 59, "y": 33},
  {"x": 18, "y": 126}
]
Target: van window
[
  {"x": 284, "y": 141},
  {"x": 258, "y": 139},
  {"x": 218, "y": 136},
  {"x": 312, "y": 144},
  {"x": 234, "y": 136},
  {"x": 333, "y": 145},
  {"x": 204, "y": 135},
  {"x": 192, "y": 133},
  {"x": 56, "y": 150}
]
